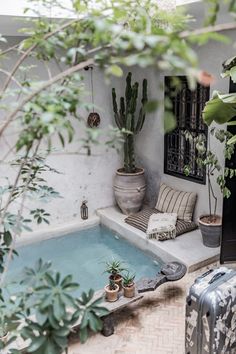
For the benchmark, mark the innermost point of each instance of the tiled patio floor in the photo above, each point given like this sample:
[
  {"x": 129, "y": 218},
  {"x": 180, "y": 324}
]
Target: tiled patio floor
[{"x": 154, "y": 325}]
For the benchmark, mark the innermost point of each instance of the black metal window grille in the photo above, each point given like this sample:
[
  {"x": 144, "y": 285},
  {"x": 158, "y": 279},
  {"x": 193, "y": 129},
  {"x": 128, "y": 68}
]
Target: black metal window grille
[{"x": 187, "y": 108}]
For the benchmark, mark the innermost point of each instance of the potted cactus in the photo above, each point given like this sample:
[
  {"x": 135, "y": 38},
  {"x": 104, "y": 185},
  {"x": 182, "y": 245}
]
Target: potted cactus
[
  {"x": 111, "y": 291},
  {"x": 114, "y": 268},
  {"x": 129, "y": 183},
  {"x": 128, "y": 285}
]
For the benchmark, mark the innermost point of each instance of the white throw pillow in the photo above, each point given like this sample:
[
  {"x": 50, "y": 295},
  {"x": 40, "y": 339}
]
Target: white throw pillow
[{"x": 162, "y": 226}]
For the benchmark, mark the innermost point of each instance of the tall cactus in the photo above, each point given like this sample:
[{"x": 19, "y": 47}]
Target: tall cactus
[{"x": 126, "y": 119}]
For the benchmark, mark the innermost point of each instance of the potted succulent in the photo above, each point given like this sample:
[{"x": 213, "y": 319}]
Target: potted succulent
[
  {"x": 210, "y": 224},
  {"x": 129, "y": 182},
  {"x": 128, "y": 285},
  {"x": 114, "y": 268},
  {"x": 111, "y": 291}
]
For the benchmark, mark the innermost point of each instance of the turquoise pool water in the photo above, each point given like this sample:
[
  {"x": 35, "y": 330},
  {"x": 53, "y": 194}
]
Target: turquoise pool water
[{"x": 83, "y": 254}]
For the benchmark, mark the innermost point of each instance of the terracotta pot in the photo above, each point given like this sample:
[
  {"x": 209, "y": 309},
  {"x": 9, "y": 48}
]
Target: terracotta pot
[
  {"x": 129, "y": 189},
  {"x": 211, "y": 231},
  {"x": 129, "y": 291},
  {"x": 111, "y": 295},
  {"x": 117, "y": 279}
]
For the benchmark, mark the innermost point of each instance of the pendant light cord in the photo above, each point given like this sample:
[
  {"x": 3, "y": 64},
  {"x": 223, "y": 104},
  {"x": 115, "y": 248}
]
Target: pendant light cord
[{"x": 92, "y": 87}]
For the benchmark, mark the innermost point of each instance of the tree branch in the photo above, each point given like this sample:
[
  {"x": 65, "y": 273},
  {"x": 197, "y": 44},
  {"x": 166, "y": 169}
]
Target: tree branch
[
  {"x": 12, "y": 247},
  {"x": 12, "y": 78},
  {"x": 208, "y": 29},
  {"x": 29, "y": 50},
  {"x": 14, "y": 47},
  {"x": 49, "y": 83}
]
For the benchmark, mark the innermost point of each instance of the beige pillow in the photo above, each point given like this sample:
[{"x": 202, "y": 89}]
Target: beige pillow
[{"x": 173, "y": 201}]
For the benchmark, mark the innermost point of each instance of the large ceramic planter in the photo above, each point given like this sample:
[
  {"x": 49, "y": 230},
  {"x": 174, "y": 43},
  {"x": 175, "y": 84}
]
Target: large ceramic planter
[
  {"x": 211, "y": 232},
  {"x": 129, "y": 189}
]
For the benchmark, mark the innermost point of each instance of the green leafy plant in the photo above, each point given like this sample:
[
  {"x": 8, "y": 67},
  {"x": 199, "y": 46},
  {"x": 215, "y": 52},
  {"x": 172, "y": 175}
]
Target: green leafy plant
[
  {"x": 125, "y": 118},
  {"x": 207, "y": 159},
  {"x": 110, "y": 36},
  {"x": 3, "y": 329},
  {"x": 45, "y": 312},
  {"x": 128, "y": 279},
  {"x": 90, "y": 312},
  {"x": 114, "y": 268},
  {"x": 222, "y": 107}
]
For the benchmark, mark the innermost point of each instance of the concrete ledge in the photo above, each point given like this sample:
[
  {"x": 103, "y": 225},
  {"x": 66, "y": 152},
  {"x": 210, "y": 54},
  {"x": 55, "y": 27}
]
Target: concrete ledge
[
  {"x": 187, "y": 248},
  {"x": 57, "y": 231}
]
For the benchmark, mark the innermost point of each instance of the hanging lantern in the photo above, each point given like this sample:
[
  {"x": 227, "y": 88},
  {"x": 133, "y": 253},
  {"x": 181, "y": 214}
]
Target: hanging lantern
[
  {"x": 84, "y": 210},
  {"x": 93, "y": 119}
]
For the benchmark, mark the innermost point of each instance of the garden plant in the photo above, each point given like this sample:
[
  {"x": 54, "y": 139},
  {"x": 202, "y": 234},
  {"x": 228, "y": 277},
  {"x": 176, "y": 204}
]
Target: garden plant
[
  {"x": 125, "y": 117},
  {"x": 109, "y": 35}
]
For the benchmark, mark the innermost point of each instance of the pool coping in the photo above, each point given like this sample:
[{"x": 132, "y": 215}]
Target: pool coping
[
  {"x": 56, "y": 231},
  {"x": 187, "y": 248}
]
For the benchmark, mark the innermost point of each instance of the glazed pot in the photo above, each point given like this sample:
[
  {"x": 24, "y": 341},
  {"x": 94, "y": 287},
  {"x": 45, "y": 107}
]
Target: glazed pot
[
  {"x": 129, "y": 189},
  {"x": 211, "y": 231},
  {"x": 111, "y": 295},
  {"x": 117, "y": 279},
  {"x": 129, "y": 291}
]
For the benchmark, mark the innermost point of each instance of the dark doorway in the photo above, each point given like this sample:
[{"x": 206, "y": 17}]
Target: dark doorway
[{"x": 228, "y": 244}]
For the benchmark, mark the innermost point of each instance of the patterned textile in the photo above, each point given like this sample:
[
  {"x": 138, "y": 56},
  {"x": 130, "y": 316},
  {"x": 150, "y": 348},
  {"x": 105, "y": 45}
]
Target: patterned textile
[
  {"x": 173, "y": 201},
  {"x": 140, "y": 221},
  {"x": 161, "y": 226}
]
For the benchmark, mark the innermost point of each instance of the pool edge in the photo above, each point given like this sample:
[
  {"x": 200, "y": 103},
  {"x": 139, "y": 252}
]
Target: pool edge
[{"x": 57, "y": 231}]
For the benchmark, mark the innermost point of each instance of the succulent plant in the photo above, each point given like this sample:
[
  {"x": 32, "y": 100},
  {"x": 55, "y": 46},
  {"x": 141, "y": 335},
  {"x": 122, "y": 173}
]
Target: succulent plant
[
  {"x": 114, "y": 268},
  {"x": 128, "y": 279},
  {"x": 126, "y": 120}
]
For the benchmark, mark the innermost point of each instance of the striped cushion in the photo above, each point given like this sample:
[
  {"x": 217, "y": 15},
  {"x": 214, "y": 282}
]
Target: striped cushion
[
  {"x": 140, "y": 221},
  {"x": 173, "y": 201}
]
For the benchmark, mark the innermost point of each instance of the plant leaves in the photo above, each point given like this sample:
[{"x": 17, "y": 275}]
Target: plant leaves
[{"x": 221, "y": 108}]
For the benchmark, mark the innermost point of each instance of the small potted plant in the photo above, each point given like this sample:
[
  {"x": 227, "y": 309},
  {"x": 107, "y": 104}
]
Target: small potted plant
[
  {"x": 112, "y": 290},
  {"x": 210, "y": 224},
  {"x": 114, "y": 268},
  {"x": 128, "y": 285}
]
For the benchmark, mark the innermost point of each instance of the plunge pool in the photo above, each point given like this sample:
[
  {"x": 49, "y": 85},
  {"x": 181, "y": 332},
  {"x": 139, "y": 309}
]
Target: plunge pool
[{"x": 83, "y": 254}]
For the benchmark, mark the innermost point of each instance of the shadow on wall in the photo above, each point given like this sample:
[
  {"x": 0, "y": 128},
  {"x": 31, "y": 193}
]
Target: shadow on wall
[{"x": 153, "y": 180}]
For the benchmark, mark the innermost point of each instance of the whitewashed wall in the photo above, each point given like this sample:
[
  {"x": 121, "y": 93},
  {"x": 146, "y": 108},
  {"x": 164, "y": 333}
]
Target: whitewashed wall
[
  {"x": 83, "y": 177},
  {"x": 91, "y": 177}
]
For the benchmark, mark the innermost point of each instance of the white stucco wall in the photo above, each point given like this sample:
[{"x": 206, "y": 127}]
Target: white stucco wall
[
  {"x": 83, "y": 177},
  {"x": 91, "y": 177}
]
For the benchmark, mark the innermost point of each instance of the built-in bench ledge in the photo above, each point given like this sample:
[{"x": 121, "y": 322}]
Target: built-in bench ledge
[{"x": 187, "y": 248}]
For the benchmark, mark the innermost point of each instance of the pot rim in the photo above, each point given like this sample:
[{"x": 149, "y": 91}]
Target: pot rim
[
  {"x": 212, "y": 224},
  {"x": 120, "y": 172},
  {"x": 129, "y": 287},
  {"x": 119, "y": 277},
  {"x": 106, "y": 288}
]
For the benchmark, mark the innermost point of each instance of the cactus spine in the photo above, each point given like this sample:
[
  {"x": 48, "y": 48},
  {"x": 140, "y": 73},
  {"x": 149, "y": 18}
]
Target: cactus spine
[{"x": 125, "y": 118}]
